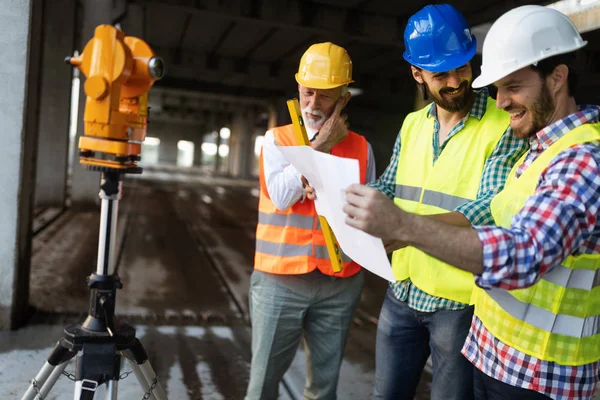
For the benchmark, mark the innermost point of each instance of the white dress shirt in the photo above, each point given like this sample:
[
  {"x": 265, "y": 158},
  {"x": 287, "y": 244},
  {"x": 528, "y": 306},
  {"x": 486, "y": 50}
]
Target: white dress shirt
[{"x": 283, "y": 180}]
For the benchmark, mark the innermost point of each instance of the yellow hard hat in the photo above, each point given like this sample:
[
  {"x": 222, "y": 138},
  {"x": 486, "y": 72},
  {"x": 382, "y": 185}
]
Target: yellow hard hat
[{"x": 325, "y": 66}]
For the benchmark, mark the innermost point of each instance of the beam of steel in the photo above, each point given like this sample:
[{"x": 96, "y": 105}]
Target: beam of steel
[
  {"x": 588, "y": 20},
  {"x": 487, "y": 12},
  {"x": 222, "y": 38}
]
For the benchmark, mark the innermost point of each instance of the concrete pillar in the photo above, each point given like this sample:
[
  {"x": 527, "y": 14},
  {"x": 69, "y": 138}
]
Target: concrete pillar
[
  {"x": 19, "y": 105},
  {"x": 241, "y": 150},
  {"x": 86, "y": 184},
  {"x": 272, "y": 111},
  {"x": 167, "y": 153},
  {"x": 218, "y": 159},
  {"x": 55, "y": 103},
  {"x": 281, "y": 114},
  {"x": 198, "y": 140}
]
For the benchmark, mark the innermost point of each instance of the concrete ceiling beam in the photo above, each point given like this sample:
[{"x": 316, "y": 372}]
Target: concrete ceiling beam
[{"x": 303, "y": 15}]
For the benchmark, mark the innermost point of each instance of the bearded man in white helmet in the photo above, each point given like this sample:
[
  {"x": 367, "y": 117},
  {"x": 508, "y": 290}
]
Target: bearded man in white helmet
[{"x": 536, "y": 329}]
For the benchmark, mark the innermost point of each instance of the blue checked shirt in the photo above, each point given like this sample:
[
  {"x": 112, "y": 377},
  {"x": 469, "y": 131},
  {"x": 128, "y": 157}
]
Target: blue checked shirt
[
  {"x": 559, "y": 219},
  {"x": 497, "y": 167}
]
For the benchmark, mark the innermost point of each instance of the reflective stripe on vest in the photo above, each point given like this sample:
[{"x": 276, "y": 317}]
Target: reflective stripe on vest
[
  {"x": 556, "y": 319},
  {"x": 427, "y": 185},
  {"x": 560, "y": 324},
  {"x": 574, "y": 278},
  {"x": 295, "y": 220},
  {"x": 437, "y": 199},
  {"x": 294, "y": 250}
]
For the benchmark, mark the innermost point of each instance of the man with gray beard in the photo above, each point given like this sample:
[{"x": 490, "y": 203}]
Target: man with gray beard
[
  {"x": 449, "y": 160},
  {"x": 294, "y": 291}
]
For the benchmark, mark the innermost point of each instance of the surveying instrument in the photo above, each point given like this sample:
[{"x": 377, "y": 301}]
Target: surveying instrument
[{"x": 120, "y": 71}]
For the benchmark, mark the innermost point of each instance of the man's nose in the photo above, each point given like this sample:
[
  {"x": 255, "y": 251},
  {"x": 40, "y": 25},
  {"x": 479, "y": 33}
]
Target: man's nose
[
  {"x": 502, "y": 100},
  {"x": 453, "y": 80},
  {"x": 314, "y": 102}
]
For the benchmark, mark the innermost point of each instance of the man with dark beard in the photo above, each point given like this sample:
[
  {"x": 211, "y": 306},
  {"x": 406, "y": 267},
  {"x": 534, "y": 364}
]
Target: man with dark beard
[
  {"x": 449, "y": 160},
  {"x": 536, "y": 329}
]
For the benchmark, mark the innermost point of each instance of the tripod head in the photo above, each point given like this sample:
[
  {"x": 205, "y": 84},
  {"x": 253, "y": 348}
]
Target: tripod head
[{"x": 120, "y": 71}]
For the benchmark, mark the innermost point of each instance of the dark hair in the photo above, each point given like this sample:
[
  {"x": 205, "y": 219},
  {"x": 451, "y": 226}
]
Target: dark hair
[{"x": 546, "y": 66}]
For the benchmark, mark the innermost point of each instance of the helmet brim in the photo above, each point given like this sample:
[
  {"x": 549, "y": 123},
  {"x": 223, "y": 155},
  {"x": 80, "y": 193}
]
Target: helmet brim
[
  {"x": 319, "y": 84},
  {"x": 486, "y": 79},
  {"x": 448, "y": 63}
]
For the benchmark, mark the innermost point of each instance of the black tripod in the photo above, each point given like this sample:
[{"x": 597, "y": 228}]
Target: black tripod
[{"x": 101, "y": 340}]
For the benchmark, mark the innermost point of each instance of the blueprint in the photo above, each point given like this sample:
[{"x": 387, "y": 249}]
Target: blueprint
[{"x": 330, "y": 176}]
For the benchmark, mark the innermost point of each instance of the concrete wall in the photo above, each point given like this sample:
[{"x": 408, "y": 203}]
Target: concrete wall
[
  {"x": 55, "y": 104},
  {"x": 20, "y": 48}
]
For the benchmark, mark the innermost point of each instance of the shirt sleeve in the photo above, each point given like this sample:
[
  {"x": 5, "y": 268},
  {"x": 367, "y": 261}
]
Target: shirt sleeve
[
  {"x": 495, "y": 171},
  {"x": 554, "y": 223},
  {"x": 371, "y": 172},
  {"x": 281, "y": 178},
  {"x": 386, "y": 183}
]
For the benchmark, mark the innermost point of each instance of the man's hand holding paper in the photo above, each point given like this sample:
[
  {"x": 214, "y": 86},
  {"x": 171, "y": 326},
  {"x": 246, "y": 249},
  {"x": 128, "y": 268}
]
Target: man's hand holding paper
[{"x": 330, "y": 176}]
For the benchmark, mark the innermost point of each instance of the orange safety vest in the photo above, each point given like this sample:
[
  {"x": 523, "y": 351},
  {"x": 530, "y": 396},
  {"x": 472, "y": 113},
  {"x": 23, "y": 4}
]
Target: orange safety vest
[{"x": 291, "y": 242}]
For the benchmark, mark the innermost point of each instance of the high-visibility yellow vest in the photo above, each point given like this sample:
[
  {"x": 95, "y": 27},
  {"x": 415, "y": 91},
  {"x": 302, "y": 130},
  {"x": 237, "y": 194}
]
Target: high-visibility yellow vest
[
  {"x": 424, "y": 188},
  {"x": 291, "y": 242},
  {"x": 558, "y": 318}
]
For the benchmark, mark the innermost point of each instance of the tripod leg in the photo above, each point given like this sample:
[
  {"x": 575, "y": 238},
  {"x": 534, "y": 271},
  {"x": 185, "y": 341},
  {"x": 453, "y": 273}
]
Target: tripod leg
[
  {"x": 144, "y": 372},
  {"x": 38, "y": 381},
  {"x": 58, "y": 358},
  {"x": 52, "y": 379},
  {"x": 111, "y": 390},
  {"x": 139, "y": 375},
  {"x": 150, "y": 375}
]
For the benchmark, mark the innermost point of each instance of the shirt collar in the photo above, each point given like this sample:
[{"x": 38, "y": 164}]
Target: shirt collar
[
  {"x": 546, "y": 137},
  {"x": 477, "y": 109}
]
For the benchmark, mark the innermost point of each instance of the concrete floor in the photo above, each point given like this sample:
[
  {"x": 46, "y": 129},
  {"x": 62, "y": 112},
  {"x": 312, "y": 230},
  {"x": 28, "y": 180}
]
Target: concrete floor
[
  {"x": 186, "y": 254},
  {"x": 186, "y": 246}
]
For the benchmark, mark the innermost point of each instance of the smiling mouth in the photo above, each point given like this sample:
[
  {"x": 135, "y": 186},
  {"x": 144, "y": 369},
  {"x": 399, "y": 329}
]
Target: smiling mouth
[
  {"x": 454, "y": 92},
  {"x": 516, "y": 116}
]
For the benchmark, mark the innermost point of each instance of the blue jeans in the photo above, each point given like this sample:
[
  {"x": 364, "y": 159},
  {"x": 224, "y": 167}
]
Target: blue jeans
[
  {"x": 488, "y": 388},
  {"x": 406, "y": 338},
  {"x": 285, "y": 308}
]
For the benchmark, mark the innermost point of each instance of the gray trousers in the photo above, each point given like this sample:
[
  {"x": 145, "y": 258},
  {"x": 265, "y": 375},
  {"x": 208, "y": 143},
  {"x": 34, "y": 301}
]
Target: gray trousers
[{"x": 286, "y": 308}]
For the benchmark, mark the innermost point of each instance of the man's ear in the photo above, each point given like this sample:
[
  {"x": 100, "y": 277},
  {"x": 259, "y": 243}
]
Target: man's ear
[
  {"x": 417, "y": 74},
  {"x": 347, "y": 98},
  {"x": 558, "y": 79}
]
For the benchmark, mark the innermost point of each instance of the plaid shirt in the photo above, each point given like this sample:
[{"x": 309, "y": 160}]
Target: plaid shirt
[
  {"x": 560, "y": 219},
  {"x": 497, "y": 167}
]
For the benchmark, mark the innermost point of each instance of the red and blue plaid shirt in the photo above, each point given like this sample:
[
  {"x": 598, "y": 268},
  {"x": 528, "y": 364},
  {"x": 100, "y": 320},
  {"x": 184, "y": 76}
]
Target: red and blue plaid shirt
[{"x": 560, "y": 219}]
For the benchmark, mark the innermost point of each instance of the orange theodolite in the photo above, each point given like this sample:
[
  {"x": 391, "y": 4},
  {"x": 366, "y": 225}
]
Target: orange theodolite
[{"x": 120, "y": 71}]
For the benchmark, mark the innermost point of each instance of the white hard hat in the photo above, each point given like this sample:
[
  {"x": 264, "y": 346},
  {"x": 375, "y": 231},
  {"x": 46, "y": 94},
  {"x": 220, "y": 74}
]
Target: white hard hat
[{"x": 522, "y": 37}]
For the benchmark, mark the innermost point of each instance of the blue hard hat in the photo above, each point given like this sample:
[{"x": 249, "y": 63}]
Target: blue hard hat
[{"x": 438, "y": 39}]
